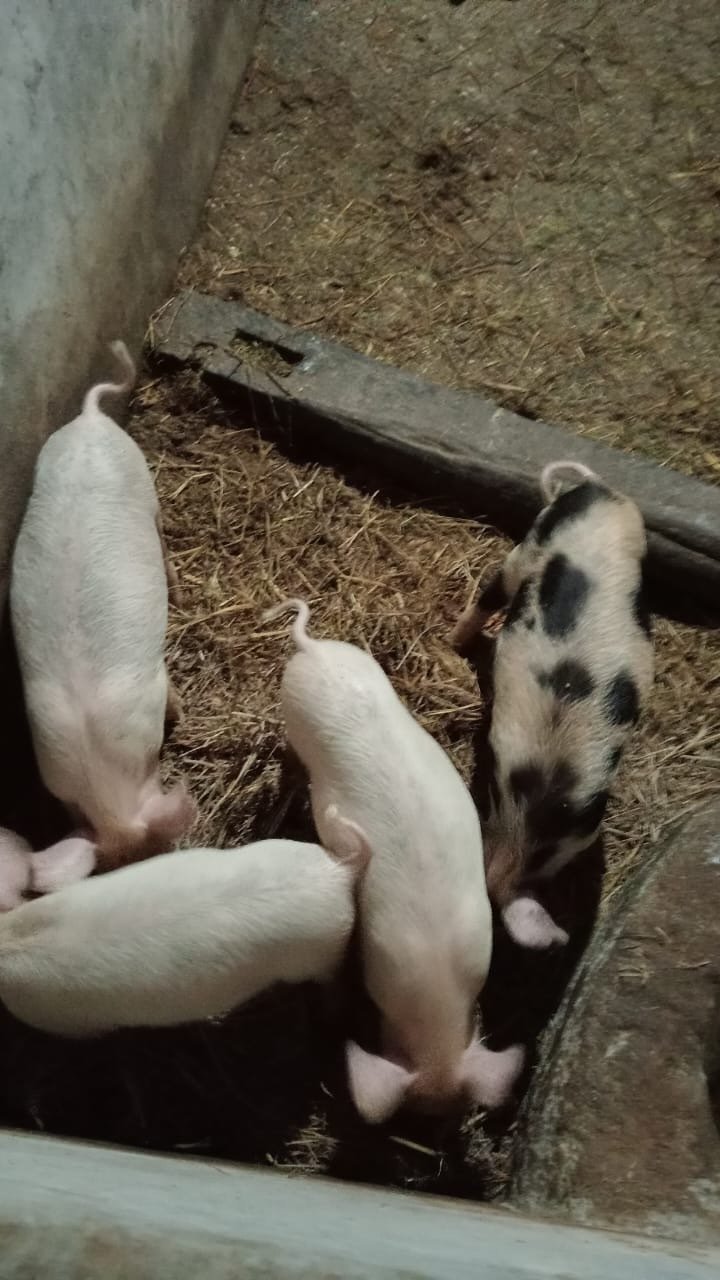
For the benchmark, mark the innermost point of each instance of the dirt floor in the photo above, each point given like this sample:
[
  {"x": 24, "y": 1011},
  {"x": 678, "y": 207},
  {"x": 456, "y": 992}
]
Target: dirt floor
[{"x": 518, "y": 197}]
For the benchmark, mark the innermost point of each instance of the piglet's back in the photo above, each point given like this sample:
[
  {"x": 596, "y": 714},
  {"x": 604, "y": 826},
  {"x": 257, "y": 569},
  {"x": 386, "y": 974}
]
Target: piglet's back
[
  {"x": 88, "y": 556},
  {"x": 367, "y": 753},
  {"x": 180, "y": 937},
  {"x": 335, "y": 687}
]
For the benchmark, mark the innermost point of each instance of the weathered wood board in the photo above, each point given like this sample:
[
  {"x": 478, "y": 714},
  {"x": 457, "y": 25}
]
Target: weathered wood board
[
  {"x": 70, "y": 1211},
  {"x": 453, "y": 444}
]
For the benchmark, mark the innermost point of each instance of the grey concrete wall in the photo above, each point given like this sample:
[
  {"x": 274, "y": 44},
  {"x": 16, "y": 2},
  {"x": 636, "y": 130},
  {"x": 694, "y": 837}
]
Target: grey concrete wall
[
  {"x": 70, "y": 1211},
  {"x": 112, "y": 113}
]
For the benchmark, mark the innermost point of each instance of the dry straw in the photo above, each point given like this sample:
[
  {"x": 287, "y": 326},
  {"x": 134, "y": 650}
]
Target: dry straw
[{"x": 247, "y": 527}]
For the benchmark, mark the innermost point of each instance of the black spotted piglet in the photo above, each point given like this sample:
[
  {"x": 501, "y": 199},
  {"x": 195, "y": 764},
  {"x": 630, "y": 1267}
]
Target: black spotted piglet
[{"x": 573, "y": 667}]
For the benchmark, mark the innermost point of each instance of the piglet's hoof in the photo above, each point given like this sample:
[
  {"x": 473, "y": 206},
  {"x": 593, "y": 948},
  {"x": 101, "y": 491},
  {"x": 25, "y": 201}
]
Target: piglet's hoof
[
  {"x": 530, "y": 925},
  {"x": 62, "y": 864}
]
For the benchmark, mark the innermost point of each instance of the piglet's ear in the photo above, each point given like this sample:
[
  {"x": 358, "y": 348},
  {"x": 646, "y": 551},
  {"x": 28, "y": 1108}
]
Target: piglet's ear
[
  {"x": 530, "y": 925},
  {"x": 62, "y": 864},
  {"x": 488, "y": 1077},
  {"x": 345, "y": 839},
  {"x": 168, "y": 815},
  {"x": 377, "y": 1085}
]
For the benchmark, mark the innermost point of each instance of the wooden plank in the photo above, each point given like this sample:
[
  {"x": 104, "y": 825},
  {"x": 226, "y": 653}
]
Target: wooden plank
[
  {"x": 454, "y": 444},
  {"x": 73, "y": 1210}
]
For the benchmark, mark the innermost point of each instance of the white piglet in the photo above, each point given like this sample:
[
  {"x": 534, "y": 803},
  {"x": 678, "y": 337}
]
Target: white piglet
[
  {"x": 178, "y": 938},
  {"x": 425, "y": 919},
  {"x": 89, "y": 612}
]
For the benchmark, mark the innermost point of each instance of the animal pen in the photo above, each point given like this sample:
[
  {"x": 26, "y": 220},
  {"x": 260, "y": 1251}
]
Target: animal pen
[{"x": 424, "y": 242}]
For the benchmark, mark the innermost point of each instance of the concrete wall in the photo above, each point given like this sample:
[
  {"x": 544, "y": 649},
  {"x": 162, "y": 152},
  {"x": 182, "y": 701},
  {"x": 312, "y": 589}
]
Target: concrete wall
[
  {"x": 112, "y": 113},
  {"x": 70, "y": 1211}
]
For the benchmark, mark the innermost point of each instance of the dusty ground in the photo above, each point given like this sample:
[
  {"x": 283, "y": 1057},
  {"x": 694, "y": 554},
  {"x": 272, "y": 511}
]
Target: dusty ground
[
  {"x": 519, "y": 196},
  {"x": 516, "y": 197}
]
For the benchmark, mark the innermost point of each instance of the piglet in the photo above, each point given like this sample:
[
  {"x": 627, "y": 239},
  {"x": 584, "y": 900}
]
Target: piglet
[
  {"x": 181, "y": 937},
  {"x": 573, "y": 667},
  {"x": 425, "y": 919},
  {"x": 89, "y": 612}
]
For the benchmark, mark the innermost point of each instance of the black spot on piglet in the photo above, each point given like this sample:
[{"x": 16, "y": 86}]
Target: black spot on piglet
[
  {"x": 563, "y": 777},
  {"x": 564, "y": 590},
  {"x": 570, "y": 681},
  {"x": 550, "y": 811},
  {"x": 622, "y": 700},
  {"x": 493, "y": 595},
  {"x": 526, "y": 781},
  {"x": 590, "y": 815},
  {"x": 519, "y": 604},
  {"x": 568, "y": 506}
]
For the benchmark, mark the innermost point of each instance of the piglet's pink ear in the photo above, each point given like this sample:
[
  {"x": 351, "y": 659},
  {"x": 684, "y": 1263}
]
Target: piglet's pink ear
[
  {"x": 488, "y": 1077},
  {"x": 168, "y": 815},
  {"x": 62, "y": 864},
  {"x": 378, "y": 1086},
  {"x": 530, "y": 925}
]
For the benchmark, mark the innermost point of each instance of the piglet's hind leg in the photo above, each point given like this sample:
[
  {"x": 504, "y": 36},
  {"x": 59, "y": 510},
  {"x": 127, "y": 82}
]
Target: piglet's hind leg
[{"x": 470, "y": 625}]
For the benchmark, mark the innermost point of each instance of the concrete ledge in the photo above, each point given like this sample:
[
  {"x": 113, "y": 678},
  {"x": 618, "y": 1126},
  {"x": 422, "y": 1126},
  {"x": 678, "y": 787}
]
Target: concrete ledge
[
  {"x": 621, "y": 1124},
  {"x": 69, "y": 1211},
  {"x": 113, "y": 113}
]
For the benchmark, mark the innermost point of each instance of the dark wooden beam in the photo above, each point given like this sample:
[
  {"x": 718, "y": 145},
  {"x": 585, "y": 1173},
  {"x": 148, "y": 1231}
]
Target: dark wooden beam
[{"x": 453, "y": 444}]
